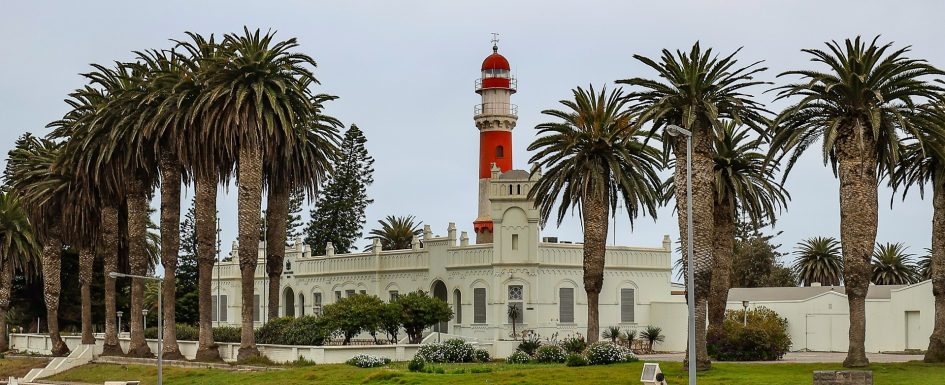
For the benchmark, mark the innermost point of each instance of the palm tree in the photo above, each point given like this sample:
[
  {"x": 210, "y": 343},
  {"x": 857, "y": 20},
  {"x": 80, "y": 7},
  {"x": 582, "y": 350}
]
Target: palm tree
[
  {"x": 256, "y": 96},
  {"x": 859, "y": 106},
  {"x": 892, "y": 265},
  {"x": 594, "y": 157},
  {"x": 31, "y": 172},
  {"x": 652, "y": 335},
  {"x": 696, "y": 91},
  {"x": 395, "y": 233},
  {"x": 923, "y": 161},
  {"x": 819, "y": 260},
  {"x": 302, "y": 167},
  {"x": 19, "y": 251}
]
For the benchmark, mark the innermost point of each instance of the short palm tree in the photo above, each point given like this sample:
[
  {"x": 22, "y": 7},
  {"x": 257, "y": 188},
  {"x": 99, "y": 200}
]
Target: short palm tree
[
  {"x": 19, "y": 251},
  {"x": 592, "y": 157},
  {"x": 859, "y": 105},
  {"x": 652, "y": 335},
  {"x": 819, "y": 259},
  {"x": 395, "y": 233},
  {"x": 256, "y": 97},
  {"x": 923, "y": 162},
  {"x": 892, "y": 265},
  {"x": 696, "y": 90}
]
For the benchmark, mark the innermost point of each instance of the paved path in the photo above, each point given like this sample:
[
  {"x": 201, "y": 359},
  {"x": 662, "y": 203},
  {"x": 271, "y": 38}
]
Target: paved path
[{"x": 801, "y": 357}]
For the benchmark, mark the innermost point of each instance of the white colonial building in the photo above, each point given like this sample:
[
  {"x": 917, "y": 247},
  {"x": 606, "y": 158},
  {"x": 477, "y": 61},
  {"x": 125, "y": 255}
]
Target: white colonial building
[{"x": 507, "y": 264}]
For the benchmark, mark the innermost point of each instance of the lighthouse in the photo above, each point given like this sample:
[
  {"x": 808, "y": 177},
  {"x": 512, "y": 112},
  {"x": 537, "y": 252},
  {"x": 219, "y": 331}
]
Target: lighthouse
[{"x": 495, "y": 116}]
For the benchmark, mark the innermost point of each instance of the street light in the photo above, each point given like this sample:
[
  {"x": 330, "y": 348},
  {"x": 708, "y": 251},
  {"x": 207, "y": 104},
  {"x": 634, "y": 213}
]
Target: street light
[
  {"x": 119, "y": 320},
  {"x": 674, "y": 130},
  {"x": 160, "y": 309},
  {"x": 144, "y": 315},
  {"x": 745, "y": 312}
]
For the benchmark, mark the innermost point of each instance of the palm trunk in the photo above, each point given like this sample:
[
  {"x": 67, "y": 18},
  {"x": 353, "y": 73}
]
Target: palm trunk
[
  {"x": 248, "y": 208},
  {"x": 6, "y": 290},
  {"x": 138, "y": 259},
  {"x": 86, "y": 257},
  {"x": 594, "y": 212},
  {"x": 52, "y": 266},
  {"x": 936, "y": 350},
  {"x": 170, "y": 247},
  {"x": 277, "y": 212},
  {"x": 205, "y": 207},
  {"x": 859, "y": 206},
  {"x": 703, "y": 226},
  {"x": 110, "y": 263},
  {"x": 723, "y": 254}
]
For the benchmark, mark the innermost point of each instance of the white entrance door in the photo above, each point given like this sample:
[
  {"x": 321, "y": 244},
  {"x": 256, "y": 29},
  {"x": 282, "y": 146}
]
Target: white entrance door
[
  {"x": 913, "y": 331},
  {"x": 827, "y": 332}
]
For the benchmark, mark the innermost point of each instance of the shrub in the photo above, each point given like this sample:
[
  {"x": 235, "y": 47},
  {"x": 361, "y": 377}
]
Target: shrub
[
  {"x": 421, "y": 311},
  {"x": 229, "y": 334},
  {"x": 354, "y": 314},
  {"x": 574, "y": 344},
  {"x": 630, "y": 357},
  {"x": 416, "y": 364},
  {"x": 518, "y": 357},
  {"x": 529, "y": 344},
  {"x": 612, "y": 333},
  {"x": 765, "y": 338},
  {"x": 185, "y": 332},
  {"x": 480, "y": 370},
  {"x": 452, "y": 351},
  {"x": 368, "y": 361},
  {"x": 482, "y": 355},
  {"x": 274, "y": 331},
  {"x": 575, "y": 360},
  {"x": 550, "y": 354},
  {"x": 604, "y": 353},
  {"x": 652, "y": 335},
  {"x": 307, "y": 330}
]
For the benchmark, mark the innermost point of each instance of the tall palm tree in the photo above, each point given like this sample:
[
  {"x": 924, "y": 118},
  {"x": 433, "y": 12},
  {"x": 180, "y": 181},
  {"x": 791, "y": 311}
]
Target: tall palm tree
[
  {"x": 395, "y": 233},
  {"x": 257, "y": 96},
  {"x": 210, "y": 165},
  {"x": 923, "y": 162},
  {"x": 302, "y": 167},
  {"x": 592, "y": 158},
  {"x": 859, "y": 105},
  {"x": 19, "y": 251},
  {"x": 31, "y": 172},
  {"x": 892, "y": 265},
  {"x": 819, "y": 260},
  {"x": 696, "y": 90}
]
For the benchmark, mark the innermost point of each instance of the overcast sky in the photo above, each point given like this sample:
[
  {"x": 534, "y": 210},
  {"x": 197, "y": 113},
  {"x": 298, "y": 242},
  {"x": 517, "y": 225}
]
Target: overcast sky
[{"x": 404, "y": 72}]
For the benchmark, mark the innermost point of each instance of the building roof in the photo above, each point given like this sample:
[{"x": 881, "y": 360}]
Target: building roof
[
  {"x": 515, "y": 175},
  {"x": 739, "y": 294},
  {"x": 495, "y": 62}
]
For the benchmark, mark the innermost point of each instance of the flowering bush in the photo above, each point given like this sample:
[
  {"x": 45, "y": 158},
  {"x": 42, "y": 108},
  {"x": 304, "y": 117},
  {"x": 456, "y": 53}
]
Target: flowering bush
[
  {"x": 454, "y": 350},
  {"x": 368, "y": 361},
  {"x": 518, "y": 357},
  {"x": 482, "y": 355},
  {"x": 416, "y": 364},
  {"x": 549, "y": 354},
  {"x": 603, "y": 353}
]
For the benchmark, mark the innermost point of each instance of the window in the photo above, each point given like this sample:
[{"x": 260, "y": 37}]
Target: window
[
  {"x": 500, "y": 152},
  {"x": 317, "y": 303},
  {"x": 626, "y": 305},
  {"x": 288, "y": 266},
  {"x": 514, "y": 241},
  {"x": 301, "y": 304},
  {"x": 479, "y": 305},
  {"x": 566, "y": 305},
  {"x": 458, "y": 306},
  {"x": 337, "y": 295},
  {"x": 256, "y": 308},
  {"x": 219, "y": 308},
  {"x": 349, "y": 293},
  {"x": 394, "y": 294},
  {"x": 515, "y": 301},
  {"x": 518, "y": 189},
  {"x": 363, "y": 292}
]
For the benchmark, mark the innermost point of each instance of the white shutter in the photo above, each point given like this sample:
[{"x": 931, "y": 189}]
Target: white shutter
[
  {"x": 214, "y": 305},
  {"x": 566, "y": 305},
  {"x": 627, "y": 305},
  {"x": 479, "y": 305},
  {"x": 222, "y": 308}
]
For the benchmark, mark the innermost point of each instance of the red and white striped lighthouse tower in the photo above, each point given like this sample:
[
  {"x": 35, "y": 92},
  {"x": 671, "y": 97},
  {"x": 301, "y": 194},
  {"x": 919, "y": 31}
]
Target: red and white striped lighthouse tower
[{"x": 495, "y": 117}]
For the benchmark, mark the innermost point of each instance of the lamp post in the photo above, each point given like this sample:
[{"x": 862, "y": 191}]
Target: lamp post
[
  {"x": 119, "y": 320},
  {"x": 745, "y": 313},
  {"x": 144, "y": 315},
  {"x": 675, "y": 131},
  {"x": 160, "y": 336}
]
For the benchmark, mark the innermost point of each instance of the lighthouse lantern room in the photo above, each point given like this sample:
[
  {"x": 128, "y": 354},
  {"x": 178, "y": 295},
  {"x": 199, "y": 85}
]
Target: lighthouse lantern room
[{"x": 495, "y": 117}]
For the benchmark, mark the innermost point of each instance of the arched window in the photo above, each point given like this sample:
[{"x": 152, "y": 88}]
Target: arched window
[
  {"x": 500, "y": 152},
  {"x": 458, "y": 305},
  {"x": 301, "y": 304}
]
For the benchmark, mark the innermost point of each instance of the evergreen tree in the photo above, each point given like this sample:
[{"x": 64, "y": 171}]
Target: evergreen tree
[
  {"x": 294, "y": 220},
  {"x": 338, "y": 216},
  {"x": 757, "y": 259}
]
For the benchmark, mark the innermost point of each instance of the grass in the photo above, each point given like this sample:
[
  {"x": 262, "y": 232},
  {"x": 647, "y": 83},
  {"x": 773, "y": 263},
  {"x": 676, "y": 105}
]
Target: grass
[
  {"x": 913, "y": 373},
  {"x": 18, "y": 367}
]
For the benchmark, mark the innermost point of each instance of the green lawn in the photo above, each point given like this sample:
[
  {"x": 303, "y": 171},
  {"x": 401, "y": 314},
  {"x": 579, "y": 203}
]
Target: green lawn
[{"x": 913, "y": 373}]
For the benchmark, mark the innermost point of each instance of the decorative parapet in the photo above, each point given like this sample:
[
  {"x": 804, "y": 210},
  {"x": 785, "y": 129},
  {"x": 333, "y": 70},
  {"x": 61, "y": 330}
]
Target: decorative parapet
[{"x": 615, "y": 257}]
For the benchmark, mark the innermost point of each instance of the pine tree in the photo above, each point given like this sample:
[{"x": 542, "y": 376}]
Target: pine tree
[
  {"x": 294, "y": 225},
  {"x": 338, "y": 216}
]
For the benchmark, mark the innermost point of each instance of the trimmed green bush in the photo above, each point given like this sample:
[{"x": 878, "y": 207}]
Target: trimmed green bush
[
  {"x": 550, "y": 354},
  {"x": 229, "y": 334},
  {"x": 416, "y": 364},
  {"x": 518, "y": 357},
  {"x": 185, "y": 332},
  {"x": 274, "y": 331},
  {"x": 575, "y": 359},
  {"x": 765, "y": 338},
  {"x": 482, "y": 355}
]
